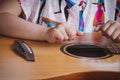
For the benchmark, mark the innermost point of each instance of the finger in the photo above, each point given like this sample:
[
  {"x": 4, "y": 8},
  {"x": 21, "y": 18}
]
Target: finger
[
  {"x": 59, "y": 36},
  {"x": 115, "y": 34},
  {"x": 71, "y": 33},
  {"x": 106, "y": 26},
  {"x": 65, "y": 36},
  {"x": 55, "y": 36},
  {"x": 111, "y": 29},
  {"x": 79, "y": 33},
  {"x": 50, "y": 36},
  {"x": 61, "y": 29}
]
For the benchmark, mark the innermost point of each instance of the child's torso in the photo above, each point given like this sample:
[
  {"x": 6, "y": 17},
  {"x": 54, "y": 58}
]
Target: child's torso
[{"x": 82, "y": 14}]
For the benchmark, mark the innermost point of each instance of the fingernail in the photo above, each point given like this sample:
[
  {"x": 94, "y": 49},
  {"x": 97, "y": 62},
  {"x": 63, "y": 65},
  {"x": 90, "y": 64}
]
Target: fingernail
[{"x": 81, "y": 33}]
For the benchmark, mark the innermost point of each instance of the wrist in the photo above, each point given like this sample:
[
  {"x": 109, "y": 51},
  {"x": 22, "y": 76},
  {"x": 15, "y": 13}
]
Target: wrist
[{"x": 43, "y": 33}]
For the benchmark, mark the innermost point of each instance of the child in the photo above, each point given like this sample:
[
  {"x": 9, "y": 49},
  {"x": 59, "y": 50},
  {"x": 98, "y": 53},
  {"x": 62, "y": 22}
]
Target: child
[
  {"x": 57, "y": 20},
  {"x": 13, "y": 23}
]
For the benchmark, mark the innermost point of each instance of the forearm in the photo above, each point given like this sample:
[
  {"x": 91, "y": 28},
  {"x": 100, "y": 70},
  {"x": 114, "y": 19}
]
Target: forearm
[{"x": 14, "y": 26}]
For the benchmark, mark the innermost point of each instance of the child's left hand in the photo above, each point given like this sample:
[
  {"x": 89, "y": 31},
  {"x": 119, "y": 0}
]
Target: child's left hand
[
  {"x": 62, "y": 32},
  {"x": 111, "y": 29}
]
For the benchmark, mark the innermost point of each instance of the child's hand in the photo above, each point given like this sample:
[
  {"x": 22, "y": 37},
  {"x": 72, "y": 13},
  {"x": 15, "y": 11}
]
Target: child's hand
[
  {"x": 111, "y": 30},
  {"x": 62, "y": 32}
]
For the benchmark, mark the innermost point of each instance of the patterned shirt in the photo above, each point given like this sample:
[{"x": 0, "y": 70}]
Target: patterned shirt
[{"x": 84, "y": 15}]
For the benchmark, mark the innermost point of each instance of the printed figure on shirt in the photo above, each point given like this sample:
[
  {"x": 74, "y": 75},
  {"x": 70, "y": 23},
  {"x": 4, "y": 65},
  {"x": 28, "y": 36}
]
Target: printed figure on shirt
[
  {"x": 99, "y": 15},
  {"x": 81, "y": 18}
]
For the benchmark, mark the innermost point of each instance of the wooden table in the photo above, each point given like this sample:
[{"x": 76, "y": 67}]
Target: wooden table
[{"x": 50, "y": 62}]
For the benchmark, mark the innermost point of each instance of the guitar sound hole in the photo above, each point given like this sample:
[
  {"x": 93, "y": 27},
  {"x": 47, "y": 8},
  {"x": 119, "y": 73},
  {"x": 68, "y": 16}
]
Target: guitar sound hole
[{"x": 85, "y": 50}]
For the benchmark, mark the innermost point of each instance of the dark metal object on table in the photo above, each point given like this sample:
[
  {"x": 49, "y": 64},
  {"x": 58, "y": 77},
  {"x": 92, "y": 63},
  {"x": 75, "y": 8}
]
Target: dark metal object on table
[{"x": 23, "y": 49}]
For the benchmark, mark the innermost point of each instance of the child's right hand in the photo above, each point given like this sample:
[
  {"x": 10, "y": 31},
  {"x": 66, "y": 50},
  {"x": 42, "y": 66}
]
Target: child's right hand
[
  {"x": 62, "y": 32},
  {"x": 111, "y": 29}
]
